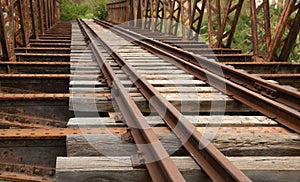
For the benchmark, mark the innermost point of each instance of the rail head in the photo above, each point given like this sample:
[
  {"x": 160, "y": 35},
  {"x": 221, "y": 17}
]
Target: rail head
[
  {"x": 284, "y": 109},
  {"x": 212, "y": 161},
  {"x": 157, "y": 160}
]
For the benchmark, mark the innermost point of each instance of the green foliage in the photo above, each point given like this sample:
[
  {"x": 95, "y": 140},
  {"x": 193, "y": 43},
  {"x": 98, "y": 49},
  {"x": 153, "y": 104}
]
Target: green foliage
[
  {"x": 243, "y": 34},
  {"x": 83, "y": 9},
  {"x": 100, "y": 12},
  {"x": 71, "y": 10}
]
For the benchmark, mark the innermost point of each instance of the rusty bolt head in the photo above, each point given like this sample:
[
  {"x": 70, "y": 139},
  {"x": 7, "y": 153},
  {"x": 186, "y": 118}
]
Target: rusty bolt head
[
  {"x": 51, "y": 173},
  {"x": 22, "y": 169},
  {"x": 37, "y": 171}
]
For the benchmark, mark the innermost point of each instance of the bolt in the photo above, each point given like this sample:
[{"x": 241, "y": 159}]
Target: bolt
[
  {"x": 22, "y": 169},
  {"x": 51, "y": 173},
  {"x": 7, "y": 168},
  {"x": 37, "y": 171}
]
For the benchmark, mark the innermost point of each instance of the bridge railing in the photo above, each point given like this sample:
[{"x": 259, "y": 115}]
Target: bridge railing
[
  {"x": 185, "y": 18},
  {"x": 22, "y": 20}
]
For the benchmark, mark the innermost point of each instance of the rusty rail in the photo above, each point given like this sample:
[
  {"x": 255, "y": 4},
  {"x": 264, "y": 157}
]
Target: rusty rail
[
  {"x": 157, "y": 160},
  {"x": 213, "y": 162},
  {"x": 274, "y": 101}
]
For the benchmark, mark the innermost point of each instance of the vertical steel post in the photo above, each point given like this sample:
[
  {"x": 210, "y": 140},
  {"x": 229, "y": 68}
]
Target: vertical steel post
[
  {"x": 224, "y": 38},
  {"x": 282, "y": 24},
  {"x": 264, "y": 24},
  {"x": 3, "y": 37},
  {"x": 33, "y": 5},
  {"x": 196, "y": 19},
  {"x": 291, "y": 38},
  {"x": 186, "y": 15},
  {"x": 214, "y": 18},
  {"x": 175, "y": 17}
]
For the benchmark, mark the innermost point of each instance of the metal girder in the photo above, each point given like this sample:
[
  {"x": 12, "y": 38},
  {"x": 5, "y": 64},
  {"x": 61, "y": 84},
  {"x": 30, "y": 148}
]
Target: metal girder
[
  {"x": 278, "y": 39},
  {"x": 33, "y": 12},
  {"x": 3, "y": 38},
  {"x": 186, "y": 14},
  {"x": 8, "y": 31},
  {"x": 149, "y": 14},
  {"x": 160, "y": 15},
  {"x": 175, "y": 17},
  {"x": 25, "y": 19},
  {"x": 214, "y": 20},
  {"x": 262, "y": 26},
  {"x": 222, "y": 36},
  {"x": 226, "y": 39},
  {"x": 196, "y": 19}
]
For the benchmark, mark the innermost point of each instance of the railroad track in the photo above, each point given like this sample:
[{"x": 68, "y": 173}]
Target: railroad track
[
  {"x": 63, "y": 120},
  {"x": 121, "y": 61},
  {"x": 283, "y": 110}
]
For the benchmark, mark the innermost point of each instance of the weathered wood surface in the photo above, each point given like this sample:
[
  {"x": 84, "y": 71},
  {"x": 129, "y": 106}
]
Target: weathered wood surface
[
  {"x": 229, "y": 144},
  {"x": 198, "y": 121},
  {"x": 206, "y": 102},
  {"x": 259, "y": 169}
]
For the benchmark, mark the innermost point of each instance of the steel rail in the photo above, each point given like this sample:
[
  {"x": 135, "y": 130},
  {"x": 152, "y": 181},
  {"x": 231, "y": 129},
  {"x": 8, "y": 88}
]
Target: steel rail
[
  {"x": 285, "y": 96},
  {"x": 209, "y": 158},
  {"x": 288, "y": 97},
  {"x": 157, "y": 160},
  {"x": 283, "y": 106}
]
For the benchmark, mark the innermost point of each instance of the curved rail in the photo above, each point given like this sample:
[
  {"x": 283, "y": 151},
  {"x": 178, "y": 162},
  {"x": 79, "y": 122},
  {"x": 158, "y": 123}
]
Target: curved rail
[
  {"x": 272, "y": 100},
  {"x": 211, "y": 160}
]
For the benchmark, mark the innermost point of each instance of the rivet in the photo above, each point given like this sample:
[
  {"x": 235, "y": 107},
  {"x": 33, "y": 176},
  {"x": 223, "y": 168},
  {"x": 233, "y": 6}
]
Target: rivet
[{"x": 36, "y": 171}]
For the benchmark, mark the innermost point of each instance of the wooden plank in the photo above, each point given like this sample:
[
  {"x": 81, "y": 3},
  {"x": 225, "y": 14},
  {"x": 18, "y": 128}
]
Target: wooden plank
[
  {"x": 276, "y": 169},
  {"x": 185, "y": 103},
  {"x": 198, "y": 121},
  {"x": 198, "y": 89},
  {"x": 229, "y": 144}
]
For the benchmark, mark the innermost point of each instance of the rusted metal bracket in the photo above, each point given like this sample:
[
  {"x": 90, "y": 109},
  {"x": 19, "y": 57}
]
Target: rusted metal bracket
[
  {"x": 127, "y": 137},
  {"x": 119, "y": 119},
  {"x": 7, "y": 119},
  {"x": 266, "y": 91},
  {"x": 24, "y": 172},
  {"x": 138, "y": 161}
]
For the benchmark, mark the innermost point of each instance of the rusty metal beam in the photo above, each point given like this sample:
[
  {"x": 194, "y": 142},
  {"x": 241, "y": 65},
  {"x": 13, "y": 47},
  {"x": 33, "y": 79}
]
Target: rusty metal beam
[
  {"x": 225, "y": 38},
  {"x": 33, "y": 8},
  {"x": 160, "y": 15},
  {"x": 284, "y": 22},
  {"x": 260, "y": 26},
  {"x": 23, "y": 172},
  {"x": 175, "y": 17},
  {"x": 3, "y": 37},
  {"x": 41, "y": 16},
  {"x": 196, "y": 19},
  {"x": 186, "y": 13},
  {"x": 149, "y": 15},
  {"x": 214, "y": 20},
  {"x": 292, "y": 36}
]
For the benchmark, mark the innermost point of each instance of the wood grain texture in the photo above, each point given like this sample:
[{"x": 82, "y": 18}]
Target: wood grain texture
[
  {"x": 229, "y": 144},
  {"x": 258, "y": 169}
]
